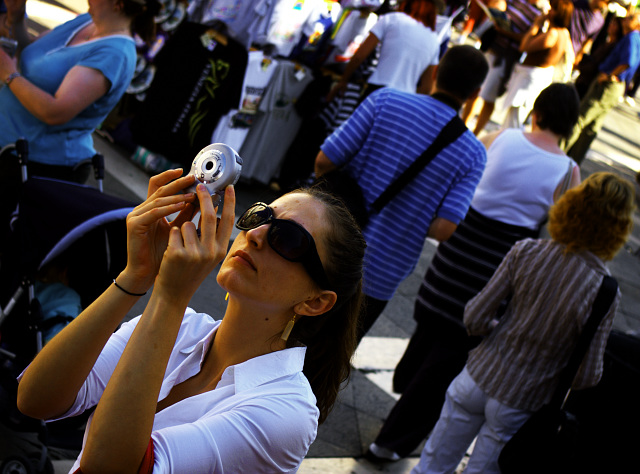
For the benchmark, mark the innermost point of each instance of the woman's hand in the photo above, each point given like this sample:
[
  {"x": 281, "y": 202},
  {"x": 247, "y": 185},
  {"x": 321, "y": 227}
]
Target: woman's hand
[
  {"x": 148, "y": 228},
  {"x": 189, "y": 257},
  {"x": 8, "y": 65},
  {"x": 16, "y": 10}
]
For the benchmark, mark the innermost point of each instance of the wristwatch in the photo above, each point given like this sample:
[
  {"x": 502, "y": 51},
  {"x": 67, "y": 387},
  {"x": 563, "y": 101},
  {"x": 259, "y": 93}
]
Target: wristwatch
[{"x": 11, "y": 77}]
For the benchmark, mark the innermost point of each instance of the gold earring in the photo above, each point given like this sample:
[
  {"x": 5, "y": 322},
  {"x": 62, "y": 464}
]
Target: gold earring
[
  {"x": 226, "y": 297},
  {"x": 288, "y": 329}
]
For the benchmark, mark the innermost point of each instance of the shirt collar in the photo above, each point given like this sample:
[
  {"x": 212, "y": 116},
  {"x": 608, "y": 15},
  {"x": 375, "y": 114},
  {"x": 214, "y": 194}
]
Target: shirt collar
[
  {"x": 256, "y": 371},
  {"x": 594, "y": 261},
  {"x": 447, "y": 99}
]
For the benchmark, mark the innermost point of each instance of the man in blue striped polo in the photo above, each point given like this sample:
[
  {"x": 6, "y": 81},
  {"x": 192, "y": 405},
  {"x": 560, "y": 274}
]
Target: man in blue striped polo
[{"x": 385, "y": 134}]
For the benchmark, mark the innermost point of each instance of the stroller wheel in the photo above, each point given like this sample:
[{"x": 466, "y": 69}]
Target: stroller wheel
[
  {"x": 22, "y": 465},
  {"x": 16, "y": 465}
]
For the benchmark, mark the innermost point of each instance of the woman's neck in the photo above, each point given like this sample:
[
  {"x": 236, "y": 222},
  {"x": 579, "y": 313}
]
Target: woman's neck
[
  {"x": 545, "y": 139},
  {"x": 114, "y": 25},
  {"x": 241, "y": 337}
]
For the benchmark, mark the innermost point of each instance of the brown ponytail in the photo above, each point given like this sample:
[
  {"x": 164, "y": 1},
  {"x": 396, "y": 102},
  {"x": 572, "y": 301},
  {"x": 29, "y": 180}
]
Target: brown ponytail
[{"x": 142, "y": 14}]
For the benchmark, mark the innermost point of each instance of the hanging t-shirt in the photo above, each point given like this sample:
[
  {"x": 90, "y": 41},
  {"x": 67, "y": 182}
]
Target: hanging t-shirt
[
  {"x": 290, "y": 20},
  {"x": 246, "y": 20},
  {"x": 233, "y": 128},
  {"x": 277, "y": 124},
  {"x": 198, "y": 80}
]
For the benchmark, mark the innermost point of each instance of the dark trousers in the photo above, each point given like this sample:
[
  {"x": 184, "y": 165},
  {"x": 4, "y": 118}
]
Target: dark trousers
[
  {"x": 594, "y": 107},
  {"x": 436, "y": 354}
]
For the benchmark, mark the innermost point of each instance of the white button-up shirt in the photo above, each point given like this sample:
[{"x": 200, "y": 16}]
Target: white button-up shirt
[{"x": 261, "y": 417}]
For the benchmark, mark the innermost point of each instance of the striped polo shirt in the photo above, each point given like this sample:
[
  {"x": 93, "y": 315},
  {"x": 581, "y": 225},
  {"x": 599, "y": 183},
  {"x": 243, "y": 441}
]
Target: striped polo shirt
[
  {"x": 520, "y": 361},
  {"x": 386, "y": 133}
]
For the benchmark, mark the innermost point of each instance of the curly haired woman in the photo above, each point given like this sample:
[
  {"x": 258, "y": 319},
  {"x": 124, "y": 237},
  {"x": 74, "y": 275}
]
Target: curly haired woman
[{"x": 516, "y": 368}]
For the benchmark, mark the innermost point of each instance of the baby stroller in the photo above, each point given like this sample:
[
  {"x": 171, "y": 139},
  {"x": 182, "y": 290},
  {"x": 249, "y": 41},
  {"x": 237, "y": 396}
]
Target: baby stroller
[{"x": 59, "y": 225}]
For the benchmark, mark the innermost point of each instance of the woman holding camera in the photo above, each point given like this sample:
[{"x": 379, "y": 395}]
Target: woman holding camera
[{"x": 180, "y": 392}]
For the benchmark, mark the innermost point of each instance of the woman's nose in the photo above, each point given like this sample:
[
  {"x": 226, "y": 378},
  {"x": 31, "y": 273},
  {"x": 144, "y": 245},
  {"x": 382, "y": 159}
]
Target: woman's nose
[{"x": 257, "y": 237}]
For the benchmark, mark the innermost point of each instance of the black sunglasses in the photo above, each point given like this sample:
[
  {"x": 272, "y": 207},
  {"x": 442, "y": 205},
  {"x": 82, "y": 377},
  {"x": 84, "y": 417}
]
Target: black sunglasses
[{"x": 289, "y": 240}]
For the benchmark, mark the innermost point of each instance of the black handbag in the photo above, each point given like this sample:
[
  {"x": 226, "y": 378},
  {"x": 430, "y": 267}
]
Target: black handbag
[
  {"x": 549, "y": 440},
  {"x": 343, "y": 185}
]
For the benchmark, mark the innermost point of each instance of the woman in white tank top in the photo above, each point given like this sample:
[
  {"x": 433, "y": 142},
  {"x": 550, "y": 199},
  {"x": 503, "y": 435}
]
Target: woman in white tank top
[{"x": 524, "y": 174}]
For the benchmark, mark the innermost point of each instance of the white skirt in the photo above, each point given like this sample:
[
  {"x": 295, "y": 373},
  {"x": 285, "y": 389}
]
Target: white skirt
[{"x": 525, "y": 83}]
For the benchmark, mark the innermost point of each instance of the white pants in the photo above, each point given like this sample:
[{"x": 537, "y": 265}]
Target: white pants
[
  {"x": 491, "y": 85},
  {"x": 469, "y": 412},
  {"x": 524, "y": 86}
]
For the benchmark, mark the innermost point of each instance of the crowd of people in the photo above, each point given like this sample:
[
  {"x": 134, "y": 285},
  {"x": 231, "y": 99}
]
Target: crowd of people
[{"x": 499, "y": 309}]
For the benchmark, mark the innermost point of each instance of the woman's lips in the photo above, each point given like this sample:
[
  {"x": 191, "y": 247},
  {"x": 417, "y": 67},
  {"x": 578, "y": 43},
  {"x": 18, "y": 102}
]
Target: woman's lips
[{"x": 245, "y": 258}]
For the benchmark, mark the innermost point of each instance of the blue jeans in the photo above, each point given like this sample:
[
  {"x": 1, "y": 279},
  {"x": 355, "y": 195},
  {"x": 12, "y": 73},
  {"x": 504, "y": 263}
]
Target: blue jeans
[{"x": 469, "y": 412}]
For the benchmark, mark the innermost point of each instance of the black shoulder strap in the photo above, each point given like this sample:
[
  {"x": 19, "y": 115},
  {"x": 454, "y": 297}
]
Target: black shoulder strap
[
  {"x": 602, "y": 303},
  {"x": 449, "y": 134}
]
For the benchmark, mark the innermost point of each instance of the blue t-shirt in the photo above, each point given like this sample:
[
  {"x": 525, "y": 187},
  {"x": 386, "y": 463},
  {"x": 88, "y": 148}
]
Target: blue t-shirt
[
  {"x": 385, "y": 134},
  {"x": 627, "y": 51},
  {"x": 45, "y": 63},
  {"x": 57, "y": 299}
]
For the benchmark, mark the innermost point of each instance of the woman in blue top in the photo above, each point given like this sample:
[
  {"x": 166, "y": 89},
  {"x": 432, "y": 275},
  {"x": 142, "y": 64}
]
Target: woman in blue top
[{"x": 63, "y": 85}]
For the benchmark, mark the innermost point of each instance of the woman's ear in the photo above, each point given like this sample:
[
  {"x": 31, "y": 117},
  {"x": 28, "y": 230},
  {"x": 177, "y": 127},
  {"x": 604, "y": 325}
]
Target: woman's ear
[{"x": 317, "y": 305}]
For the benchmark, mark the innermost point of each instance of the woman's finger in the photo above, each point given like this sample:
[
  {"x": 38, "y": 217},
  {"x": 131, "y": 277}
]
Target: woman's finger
[
  {"x": 175, "y": 240},
  {"x": 161, "y": 202},
  {"x": 186, "y": 215},
  {"x": 159, "y": 180},
  {"x": 155, "y": 214},
  {"x": 207, "y": 213},
  {"x": 174, "y": 187},
  {"x": 189, "y": 235},
  {"x": 225, "y": 225}
]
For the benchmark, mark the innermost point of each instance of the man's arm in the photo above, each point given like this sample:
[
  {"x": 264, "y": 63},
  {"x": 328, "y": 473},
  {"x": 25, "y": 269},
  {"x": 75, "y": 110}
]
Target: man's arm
[
  {"x": 441, "y": 229},
  {"x": 323, "y": 164},
  {"x": 348, "y": 139},
  {"x": 613, "y": 76}
]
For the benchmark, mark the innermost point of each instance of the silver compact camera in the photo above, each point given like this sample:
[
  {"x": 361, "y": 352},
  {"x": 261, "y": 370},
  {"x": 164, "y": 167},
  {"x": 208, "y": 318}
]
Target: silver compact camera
[
  {"x": 216, "y": 166},
  {"x": 10, "y": 46}
]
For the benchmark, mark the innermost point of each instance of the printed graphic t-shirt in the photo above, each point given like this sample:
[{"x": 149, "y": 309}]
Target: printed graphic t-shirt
[{"x": 198, "y": 80}]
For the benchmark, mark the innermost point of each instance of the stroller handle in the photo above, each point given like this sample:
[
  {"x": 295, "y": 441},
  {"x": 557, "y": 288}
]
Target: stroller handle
[
  {"x": 98, "y": 169},
  {"x": 22, "y": 150}
]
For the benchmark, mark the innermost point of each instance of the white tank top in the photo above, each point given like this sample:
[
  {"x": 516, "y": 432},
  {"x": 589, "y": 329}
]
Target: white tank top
[{"x": 519, "y": 180}]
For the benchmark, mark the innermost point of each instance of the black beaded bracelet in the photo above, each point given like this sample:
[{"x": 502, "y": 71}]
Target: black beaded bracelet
[{"x": 127, "y": 292}]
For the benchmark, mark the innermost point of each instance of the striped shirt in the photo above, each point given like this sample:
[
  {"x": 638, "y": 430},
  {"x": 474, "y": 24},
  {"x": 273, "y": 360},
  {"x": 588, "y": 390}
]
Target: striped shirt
[
  {"x": 519, "y": 361},
  {"x": 521, "y": 13},
  {"x": 386, "y": 133},
  {"x": 585, "y": 24}
]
